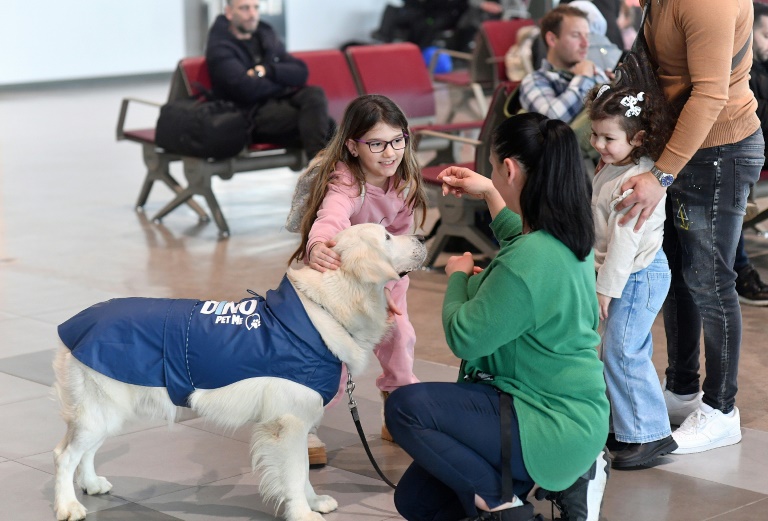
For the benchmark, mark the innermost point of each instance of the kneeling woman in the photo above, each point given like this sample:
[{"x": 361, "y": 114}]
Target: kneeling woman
[{"x": 530, "y": 404}]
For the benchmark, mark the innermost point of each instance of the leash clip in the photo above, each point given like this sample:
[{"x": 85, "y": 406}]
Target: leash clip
[{"x": 350, "y": 387}]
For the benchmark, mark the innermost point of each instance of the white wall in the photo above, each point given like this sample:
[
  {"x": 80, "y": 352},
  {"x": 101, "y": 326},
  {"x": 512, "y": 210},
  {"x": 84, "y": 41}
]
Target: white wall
[
  {"x": 49, "y": 40},
  {"x": 325, "y": 24},
  {"x": 53, "y": 40}
]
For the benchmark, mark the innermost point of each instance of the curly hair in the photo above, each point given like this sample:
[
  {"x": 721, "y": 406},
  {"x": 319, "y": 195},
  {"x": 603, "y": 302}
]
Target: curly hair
[
  {"x": 655, "y": 117},
  {"x": 360, "y": 116}
]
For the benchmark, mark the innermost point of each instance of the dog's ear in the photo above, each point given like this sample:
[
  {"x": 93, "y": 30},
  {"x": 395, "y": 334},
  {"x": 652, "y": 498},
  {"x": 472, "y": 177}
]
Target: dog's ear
[{"x": 367, "y": 262}]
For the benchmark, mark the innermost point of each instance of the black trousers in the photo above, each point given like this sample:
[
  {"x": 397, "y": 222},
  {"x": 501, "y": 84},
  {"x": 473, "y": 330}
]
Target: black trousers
[{"x": 298, "y": 119}]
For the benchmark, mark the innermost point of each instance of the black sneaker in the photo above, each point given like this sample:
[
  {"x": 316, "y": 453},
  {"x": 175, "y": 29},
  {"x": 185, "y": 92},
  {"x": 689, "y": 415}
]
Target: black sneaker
[
  {"x": 752, "y": 291},
  {"x": 581, "y": 501},
  {"x": 615, "y": 445},
  {"x": 522, "y": 513},
  {"x": 639, "y": 454}
]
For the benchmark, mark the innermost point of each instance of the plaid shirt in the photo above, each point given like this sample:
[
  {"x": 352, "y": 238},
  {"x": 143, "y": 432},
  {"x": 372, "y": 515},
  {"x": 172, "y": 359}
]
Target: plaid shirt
[{"x": 557, "y": 94}]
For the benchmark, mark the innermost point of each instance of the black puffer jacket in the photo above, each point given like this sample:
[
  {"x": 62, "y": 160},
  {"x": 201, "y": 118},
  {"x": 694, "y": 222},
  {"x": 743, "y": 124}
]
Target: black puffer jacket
[
  {"x": 229, "y": 60},
  {"x": 758, "y": 82}
]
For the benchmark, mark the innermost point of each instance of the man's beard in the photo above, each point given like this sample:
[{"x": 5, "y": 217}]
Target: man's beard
[{"x": 245, "y": 31}]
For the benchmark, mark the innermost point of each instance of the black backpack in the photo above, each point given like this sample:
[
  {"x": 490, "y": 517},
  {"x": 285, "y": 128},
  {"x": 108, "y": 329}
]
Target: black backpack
[{"x": 201, "y": 128}]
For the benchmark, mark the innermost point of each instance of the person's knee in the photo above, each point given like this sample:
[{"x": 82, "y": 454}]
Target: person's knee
[
  {"x": 312, "y": 95},
  {"x": 398, "y": 407}
]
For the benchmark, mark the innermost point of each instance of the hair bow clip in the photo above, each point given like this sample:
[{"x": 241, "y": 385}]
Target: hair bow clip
[
  {"x": 602, "y": 90},
  {"x": 631, "y": 103}
]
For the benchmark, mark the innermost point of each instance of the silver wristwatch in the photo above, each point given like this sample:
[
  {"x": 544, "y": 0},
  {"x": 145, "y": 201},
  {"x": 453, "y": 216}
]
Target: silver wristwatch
[{"x": 664, "y": 178}]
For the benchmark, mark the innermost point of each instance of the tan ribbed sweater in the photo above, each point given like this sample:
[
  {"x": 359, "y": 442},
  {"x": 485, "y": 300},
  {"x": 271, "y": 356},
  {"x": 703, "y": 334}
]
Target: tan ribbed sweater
[{"x": 693, "y": 42}]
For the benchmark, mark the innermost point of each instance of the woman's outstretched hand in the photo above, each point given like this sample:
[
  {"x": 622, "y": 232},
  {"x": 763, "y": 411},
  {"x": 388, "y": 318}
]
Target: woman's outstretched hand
[{"x": 459, "y": 181}]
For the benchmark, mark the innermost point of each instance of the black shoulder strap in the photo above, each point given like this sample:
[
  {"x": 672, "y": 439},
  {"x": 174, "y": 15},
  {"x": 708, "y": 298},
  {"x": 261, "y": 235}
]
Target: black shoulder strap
[
  {"x": 742, "y": 52},
  {"x": 505, "y": 410},
  {"x": 734, "y": 62}
]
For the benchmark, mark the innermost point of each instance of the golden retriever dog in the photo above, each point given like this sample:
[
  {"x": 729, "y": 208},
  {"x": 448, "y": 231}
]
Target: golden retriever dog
[{"x": 104, "y": 377}]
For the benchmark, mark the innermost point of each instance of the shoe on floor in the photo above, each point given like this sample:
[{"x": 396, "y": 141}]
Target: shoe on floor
[
  {"x": 385, "y": 435},
  {"x": 318, "y": 458},
  {"x": 581, "y": 501},
  {"x": 703, "y": 431},
  {"x": 523, "y": 512},
  {"x": 615, "y": 445},
  {"x": 752, "y": 291},
  {"x": 678, "y": 408},
  {"x": 638, "y": 454}
]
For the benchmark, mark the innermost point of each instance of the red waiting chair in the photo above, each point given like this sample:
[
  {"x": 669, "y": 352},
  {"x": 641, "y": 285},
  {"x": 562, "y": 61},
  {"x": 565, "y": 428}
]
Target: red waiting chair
[
  {"x": 486, "y": 67},
  {"x": 329, "y": 69},
  {"x": 398, "y": 71}
]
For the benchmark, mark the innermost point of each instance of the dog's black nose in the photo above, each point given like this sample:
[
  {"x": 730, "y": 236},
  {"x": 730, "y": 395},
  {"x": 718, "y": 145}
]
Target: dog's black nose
[{"x": 421, "y": 239}]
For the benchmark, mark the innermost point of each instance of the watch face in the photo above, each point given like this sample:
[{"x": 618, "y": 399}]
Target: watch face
[{"x": 666, "y": 180}]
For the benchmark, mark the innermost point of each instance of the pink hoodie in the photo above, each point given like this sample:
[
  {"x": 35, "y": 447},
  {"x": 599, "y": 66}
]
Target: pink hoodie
[{"x": 343, "y": 206}]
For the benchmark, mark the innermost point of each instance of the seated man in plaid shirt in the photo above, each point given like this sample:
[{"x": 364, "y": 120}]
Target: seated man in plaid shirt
[{"x": 557, "y": 89}]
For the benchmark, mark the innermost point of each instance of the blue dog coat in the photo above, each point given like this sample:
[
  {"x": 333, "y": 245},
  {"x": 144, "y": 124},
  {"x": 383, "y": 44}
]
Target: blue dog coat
[{"x": 184, "y": 344}]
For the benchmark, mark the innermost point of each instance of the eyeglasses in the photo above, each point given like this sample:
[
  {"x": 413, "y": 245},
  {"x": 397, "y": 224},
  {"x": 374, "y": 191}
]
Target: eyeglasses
[{"x": 377, "y": 146}]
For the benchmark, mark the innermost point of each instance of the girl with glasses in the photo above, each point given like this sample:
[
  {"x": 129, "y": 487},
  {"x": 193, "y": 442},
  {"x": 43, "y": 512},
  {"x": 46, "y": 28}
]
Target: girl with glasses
[{"x": 368, "y": 174}]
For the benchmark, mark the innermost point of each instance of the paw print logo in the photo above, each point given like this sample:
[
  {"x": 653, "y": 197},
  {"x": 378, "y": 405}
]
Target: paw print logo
[{"x": 253, "y": 321}]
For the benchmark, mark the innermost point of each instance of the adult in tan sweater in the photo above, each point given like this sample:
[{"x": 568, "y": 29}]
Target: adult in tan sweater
[{"x": 714, "y": 156}]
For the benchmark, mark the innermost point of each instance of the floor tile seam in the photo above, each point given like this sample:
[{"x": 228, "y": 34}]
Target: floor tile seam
[
  {"x": 356, "y": 473},
  {"x": 26, "y": 378},
  {"x": 687, "y": 474},
  {"x": 222, "y": 435},
  {"x": 139, "y": 503},
  {"x": 28, "y": 399},
  {"x": 169, "y": 426},
  {"x": 30, "y": 466},
  {"x": 187, "y": 487},
  {"x": 441, "y": 364},
  {"x": 727, "y": 514}
]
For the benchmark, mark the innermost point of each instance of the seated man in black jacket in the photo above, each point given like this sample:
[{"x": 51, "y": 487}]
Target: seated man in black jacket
[{"x": 249, "y": 66}]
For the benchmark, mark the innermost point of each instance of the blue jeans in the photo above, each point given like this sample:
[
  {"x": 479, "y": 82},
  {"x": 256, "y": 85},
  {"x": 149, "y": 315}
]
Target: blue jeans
[
  {"x": 453, "y": 433},
  {"x": 705, "y": 208},
  {"x": 638, "y": 412}
]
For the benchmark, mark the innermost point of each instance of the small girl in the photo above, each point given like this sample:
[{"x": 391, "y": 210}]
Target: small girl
[
  {"x": 368, "y": 174},
  {"x": 629, "y": 130}
]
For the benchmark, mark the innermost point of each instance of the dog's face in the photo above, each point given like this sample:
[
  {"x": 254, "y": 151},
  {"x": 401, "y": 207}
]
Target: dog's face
[{"x": 371, "y": 253}]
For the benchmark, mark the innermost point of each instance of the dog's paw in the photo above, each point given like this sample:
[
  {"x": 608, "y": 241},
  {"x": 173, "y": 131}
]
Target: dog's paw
[
  {"x": 309, "y": 516},
  {"x": 99, "y": 485},
  {"x": 72, "y": 511},
  {"x": 323, "y": 504}
]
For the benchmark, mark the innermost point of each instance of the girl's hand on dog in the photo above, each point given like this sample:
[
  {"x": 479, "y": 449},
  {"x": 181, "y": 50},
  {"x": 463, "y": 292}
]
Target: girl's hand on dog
[
  {"x": 322, "y": 257},
  {"x": 464, "y": 263}
]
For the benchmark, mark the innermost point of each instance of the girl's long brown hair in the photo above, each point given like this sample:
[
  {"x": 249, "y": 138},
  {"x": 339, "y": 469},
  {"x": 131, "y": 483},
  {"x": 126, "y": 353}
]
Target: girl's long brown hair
[{"x": 360, "y": 116}]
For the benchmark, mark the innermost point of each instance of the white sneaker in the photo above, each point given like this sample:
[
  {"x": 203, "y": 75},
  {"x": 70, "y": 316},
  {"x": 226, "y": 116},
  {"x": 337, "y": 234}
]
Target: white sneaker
[
  {"x": 703, "y": 431},
  {"x": 677, "y": 408}
]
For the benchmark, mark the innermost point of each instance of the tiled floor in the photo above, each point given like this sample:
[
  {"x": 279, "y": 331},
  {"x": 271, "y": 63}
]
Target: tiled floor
[{"x": 69, "y": 237}]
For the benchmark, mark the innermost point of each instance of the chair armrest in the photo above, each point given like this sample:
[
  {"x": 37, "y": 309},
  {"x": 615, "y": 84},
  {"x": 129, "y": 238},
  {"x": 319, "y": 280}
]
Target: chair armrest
[
  {"x": 450, "y": 137},
  {"x": 465, "y": 56},
  {"x": 494, "y": 59},
  {"x": 124, "y": 113},
  {"x": 449, "y": 127}
]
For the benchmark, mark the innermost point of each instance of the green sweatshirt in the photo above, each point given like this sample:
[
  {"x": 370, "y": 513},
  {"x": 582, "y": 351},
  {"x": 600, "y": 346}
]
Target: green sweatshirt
[{"x": 530, "y": 319}]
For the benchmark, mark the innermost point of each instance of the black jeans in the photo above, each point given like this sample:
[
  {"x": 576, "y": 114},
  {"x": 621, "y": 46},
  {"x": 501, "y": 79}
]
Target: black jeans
[
  {"x": 705, "y": 209},
  {"x": 298, "y": 119}
]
